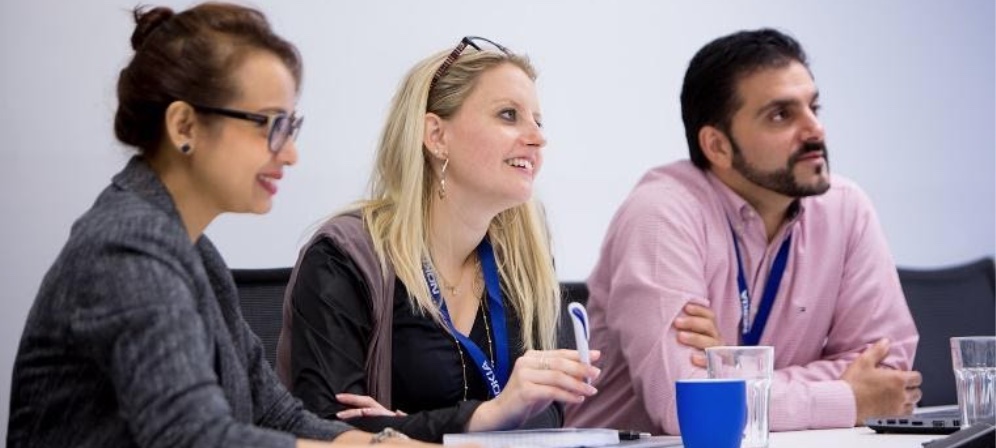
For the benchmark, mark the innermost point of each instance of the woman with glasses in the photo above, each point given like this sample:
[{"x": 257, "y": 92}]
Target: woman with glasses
[
  {"x": 135, "y": 337},
  {"x": 432, "y": 305}
]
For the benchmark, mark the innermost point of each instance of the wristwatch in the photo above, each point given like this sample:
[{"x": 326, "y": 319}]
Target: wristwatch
[{"x": 388, "y": 433}]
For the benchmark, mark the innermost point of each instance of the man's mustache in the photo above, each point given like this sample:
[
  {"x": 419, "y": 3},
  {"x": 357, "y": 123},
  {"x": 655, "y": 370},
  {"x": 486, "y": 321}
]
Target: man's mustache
[{"x": 807, "y": 148}]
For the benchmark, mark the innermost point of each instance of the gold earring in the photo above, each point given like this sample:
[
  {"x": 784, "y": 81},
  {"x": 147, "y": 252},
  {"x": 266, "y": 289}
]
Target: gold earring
[{"x": 442, "y": 179}]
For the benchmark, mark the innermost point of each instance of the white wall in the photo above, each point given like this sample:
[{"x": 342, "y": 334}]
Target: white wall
[{"x": 907, "y": 88}]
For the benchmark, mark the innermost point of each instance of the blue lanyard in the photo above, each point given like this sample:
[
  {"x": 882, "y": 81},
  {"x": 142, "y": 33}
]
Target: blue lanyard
[
  {"x": 751, "y": 331},
  {"x": 494, "y": 375}
]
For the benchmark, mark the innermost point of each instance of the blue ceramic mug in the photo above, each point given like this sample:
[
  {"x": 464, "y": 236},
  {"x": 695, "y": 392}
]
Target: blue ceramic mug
[{"x": 711, "y": 412}]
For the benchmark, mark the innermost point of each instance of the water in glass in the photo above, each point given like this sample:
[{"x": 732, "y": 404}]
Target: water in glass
[{"x": 976, "y": 394}]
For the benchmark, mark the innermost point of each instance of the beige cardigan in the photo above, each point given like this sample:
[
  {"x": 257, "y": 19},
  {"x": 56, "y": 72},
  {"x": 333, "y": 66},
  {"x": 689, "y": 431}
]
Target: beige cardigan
[{"x": 349, "y": 233}]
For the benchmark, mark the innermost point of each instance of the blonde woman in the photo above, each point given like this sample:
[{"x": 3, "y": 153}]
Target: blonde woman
[{"x": 432, "y": 307}]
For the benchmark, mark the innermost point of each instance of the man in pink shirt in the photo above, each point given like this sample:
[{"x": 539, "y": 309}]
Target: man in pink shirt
[{"x": 694, "y": 246}]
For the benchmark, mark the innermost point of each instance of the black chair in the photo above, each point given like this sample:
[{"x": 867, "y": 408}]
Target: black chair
[
  {"x": 569, "y": 292},
  {"x": 952, "y": 301},
  {"x": 261, "y": 296}
]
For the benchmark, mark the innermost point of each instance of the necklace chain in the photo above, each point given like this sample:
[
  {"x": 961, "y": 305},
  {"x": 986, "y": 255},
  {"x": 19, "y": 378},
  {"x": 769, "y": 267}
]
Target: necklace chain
[
  {"x": 454, "y": 290},
  {"x": 463, "y": 366},
  {"x": 491, "y": 349},
  {"x": 477, "y": 289}
]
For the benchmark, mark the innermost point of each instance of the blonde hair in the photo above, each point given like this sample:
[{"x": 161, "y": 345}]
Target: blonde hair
[{"x": 401, "y": 187}]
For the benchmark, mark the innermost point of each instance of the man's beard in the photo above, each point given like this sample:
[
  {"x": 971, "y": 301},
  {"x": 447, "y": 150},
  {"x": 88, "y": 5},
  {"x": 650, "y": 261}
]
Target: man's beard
[{"x": 783, "y": 180}]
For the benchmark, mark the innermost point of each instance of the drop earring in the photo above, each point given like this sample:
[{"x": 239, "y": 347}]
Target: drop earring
[
  {"x": 442, "y": 179},
  {"x": 186, "y": 149}
]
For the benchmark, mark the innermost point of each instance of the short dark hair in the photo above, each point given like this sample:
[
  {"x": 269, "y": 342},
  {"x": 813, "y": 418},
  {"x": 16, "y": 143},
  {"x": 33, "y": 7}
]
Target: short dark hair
[
  {"x": 188, "y": 56},
  {"x": 709, "y": 93}
]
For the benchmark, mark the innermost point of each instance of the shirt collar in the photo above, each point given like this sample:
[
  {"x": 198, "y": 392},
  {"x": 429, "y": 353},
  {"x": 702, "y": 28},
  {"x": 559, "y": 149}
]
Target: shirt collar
[{"x": 738, "y": 210}]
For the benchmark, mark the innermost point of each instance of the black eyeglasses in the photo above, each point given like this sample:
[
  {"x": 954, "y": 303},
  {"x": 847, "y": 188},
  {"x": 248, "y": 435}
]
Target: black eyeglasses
[
  {"x": 282, "y": 127},
  {"x": 464, "y": 43}
]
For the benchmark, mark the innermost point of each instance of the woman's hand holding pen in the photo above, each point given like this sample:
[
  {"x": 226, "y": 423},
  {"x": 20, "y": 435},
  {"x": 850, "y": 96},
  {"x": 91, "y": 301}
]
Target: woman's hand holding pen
[
  {"x": 697, "y": 329},
  {"x": 537, "y": 380}
]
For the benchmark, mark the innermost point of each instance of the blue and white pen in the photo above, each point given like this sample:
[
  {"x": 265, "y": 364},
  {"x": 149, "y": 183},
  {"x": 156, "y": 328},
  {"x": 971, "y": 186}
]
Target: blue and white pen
[{"x": 579, "y": 317}]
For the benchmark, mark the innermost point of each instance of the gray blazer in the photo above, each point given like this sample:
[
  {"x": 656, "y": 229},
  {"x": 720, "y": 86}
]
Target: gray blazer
[{"x": 136, "y": 339}]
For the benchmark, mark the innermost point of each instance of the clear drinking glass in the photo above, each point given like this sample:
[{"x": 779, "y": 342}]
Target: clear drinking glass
[
  {"x": 974, "y": 361},
  {"x": 755, "y": 364}
]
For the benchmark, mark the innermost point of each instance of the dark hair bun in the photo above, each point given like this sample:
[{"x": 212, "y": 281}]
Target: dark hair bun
[{"x": 146, "y": 22}]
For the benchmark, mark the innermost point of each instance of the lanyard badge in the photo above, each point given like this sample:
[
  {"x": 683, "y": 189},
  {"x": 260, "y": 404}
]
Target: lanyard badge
[
  {"x": 750, "y": 332},
  {"x": 495, "y": 374}
]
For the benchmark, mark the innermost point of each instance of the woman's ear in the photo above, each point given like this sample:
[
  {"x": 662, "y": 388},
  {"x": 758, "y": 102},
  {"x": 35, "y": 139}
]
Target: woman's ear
[
  {"x": 716, "y": 146},
  {"x": 435, "y": 136},
  {"x": 180, "y": 119}
]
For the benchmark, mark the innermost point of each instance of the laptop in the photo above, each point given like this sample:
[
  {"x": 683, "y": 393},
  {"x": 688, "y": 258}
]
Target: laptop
[{"x": 933, "y": 420}]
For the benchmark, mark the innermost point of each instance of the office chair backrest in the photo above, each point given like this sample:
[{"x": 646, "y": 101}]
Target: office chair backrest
[
  {"x": 953, "y": 301},
  {"x": 261, "y": 296},
  {"x": 569, "y": 292}
]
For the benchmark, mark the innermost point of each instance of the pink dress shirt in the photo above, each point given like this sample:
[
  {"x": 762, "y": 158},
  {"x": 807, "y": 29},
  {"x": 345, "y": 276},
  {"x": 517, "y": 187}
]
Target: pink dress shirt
[{"x": 670, "y": 244}]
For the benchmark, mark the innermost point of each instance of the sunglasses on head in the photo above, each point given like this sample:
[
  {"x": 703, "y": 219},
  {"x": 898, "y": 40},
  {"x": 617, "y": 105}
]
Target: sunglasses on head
[{"x": 467, "y": 41}]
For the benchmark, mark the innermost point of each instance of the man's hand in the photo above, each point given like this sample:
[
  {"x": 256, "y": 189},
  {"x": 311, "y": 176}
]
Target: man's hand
[
  {"x": 881, "y": 390},
  {"x": 697, "y": 329}
]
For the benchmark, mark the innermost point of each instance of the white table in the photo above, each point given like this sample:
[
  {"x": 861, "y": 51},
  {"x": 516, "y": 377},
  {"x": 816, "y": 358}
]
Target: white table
[
  {"x": 817, "y": 438},
  {"x": 848, "y": 438}
]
